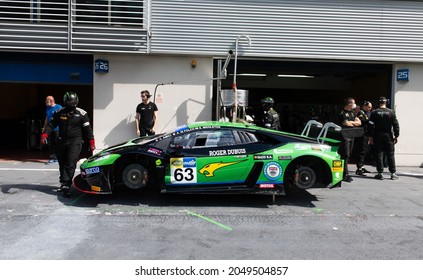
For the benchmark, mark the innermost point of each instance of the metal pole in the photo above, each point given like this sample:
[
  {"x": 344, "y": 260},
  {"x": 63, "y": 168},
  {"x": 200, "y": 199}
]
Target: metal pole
[
  {"x": 219, "y": 89},
  {"x": 234, "y": 86}
]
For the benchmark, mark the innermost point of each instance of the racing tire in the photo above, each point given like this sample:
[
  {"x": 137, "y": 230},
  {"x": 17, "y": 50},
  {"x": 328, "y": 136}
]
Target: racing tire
[
  {"x": 135, "y": 176},
  {"x": 305, "y": 177}
]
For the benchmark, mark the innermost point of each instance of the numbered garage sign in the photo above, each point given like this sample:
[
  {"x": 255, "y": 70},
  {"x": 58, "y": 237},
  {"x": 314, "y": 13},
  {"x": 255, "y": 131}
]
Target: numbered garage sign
[{"x": 183, "y": 170}]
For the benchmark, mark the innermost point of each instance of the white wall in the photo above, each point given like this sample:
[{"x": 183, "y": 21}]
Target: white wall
[
  {"x": 117, "y": 93},
  {"x": 408, "y": 97}
]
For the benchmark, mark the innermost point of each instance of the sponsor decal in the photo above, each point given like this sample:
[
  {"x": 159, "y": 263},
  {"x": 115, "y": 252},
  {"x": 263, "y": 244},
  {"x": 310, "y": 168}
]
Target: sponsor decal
[
  {"x": 301, "y": 147},
  {"x": 273, "y": 171},
  {"x": 241, "y": 156},
  {"x": 227, "y": 152},
  {"x": 267, "y": 186},
  {"x": 158, "y": 162},
  {"x": 284, "y": 157},
  {"x": 176, "y": 162},
  {"x": 316, "y": 148},
  {"x": 95, "y": 188},
  {"x": 283, "y": 151},
  {"x": 155, "y": 151},
  {"x": 181, "y": 128},
  {"x": 263, "y": 157},
  {"x": 189, "y": 162},
  {"x": 92, "y": 170},
  {"x": 337, "y": 166},
  {"x": 209, "y": 169}
]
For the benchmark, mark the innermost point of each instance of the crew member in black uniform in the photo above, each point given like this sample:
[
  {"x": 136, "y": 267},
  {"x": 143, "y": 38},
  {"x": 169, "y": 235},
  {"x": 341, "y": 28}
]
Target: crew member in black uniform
[
  {"x": 270, "y": 117},
  {"x": 362, "y": 143},
  {"x": 146, "y": 115},
  {"x": 347, "y": 119},
  {"x": 384, "y": 133},
  {"x": 74, "y": 127}
]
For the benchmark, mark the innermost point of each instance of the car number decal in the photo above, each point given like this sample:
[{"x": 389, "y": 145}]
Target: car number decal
[{"x": 183, "y": 170}]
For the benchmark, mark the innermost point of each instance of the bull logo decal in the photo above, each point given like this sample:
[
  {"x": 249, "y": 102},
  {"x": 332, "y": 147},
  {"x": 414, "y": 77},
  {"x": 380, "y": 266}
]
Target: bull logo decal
[{"x": 209, "y": 169}]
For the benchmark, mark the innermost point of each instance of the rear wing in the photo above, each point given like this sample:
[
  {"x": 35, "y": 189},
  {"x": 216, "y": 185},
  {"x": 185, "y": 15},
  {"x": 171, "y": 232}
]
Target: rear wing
[{"x": 321, "y": 138}]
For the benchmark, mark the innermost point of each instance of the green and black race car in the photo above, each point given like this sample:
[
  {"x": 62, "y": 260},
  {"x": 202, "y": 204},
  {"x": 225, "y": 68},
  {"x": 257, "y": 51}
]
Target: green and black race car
[{"x": 216, "y": 157}]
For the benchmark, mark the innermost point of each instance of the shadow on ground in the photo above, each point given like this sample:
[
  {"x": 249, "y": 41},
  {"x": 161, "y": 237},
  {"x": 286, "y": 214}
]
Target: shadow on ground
[{"x": 295, "y": 197}]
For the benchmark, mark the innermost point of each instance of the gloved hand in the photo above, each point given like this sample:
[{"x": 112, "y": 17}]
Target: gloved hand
[
  {"x": 44, "y": 139},
  {"x": 92, "y": 145},
  {"x": 395, "y": 140}
]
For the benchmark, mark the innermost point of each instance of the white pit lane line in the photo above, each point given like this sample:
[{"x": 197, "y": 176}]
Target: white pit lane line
[{"x": 34, "y": 169}]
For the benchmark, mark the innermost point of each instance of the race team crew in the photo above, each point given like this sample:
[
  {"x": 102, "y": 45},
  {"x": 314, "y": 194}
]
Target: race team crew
[{"x": 74, "y": 127}]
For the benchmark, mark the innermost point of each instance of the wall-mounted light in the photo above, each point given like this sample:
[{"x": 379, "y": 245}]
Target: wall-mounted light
[
  {"x": 250, "y": 74},
  {"x": 193, "y": 63},
  {"x": 295, "y": 76}
]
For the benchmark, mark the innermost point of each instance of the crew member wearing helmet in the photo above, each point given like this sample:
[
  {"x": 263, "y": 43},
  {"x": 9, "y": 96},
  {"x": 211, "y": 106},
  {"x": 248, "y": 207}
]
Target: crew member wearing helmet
[
  {"x": 74, "y": 127},
  {"x": 270, "y": 116}
]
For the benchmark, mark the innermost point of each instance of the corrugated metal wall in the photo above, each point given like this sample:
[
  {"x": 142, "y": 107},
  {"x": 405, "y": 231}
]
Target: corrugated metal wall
[
  {"x": 324, "y": 29},
  {"x": 74, "y": 25}
]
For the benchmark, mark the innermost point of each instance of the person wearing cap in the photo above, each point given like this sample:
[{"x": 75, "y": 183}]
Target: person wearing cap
[
  {"x": 270, "y": 116},
  {"x": 347, "y": 119},
  {"x": 384, "y": 132},
  {"x": 74, "y": 128},
  {"x": 146, "y": 115}
]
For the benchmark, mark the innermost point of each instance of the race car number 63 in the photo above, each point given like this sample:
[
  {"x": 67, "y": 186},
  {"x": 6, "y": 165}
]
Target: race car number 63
[{"x": 186, "y": 174}]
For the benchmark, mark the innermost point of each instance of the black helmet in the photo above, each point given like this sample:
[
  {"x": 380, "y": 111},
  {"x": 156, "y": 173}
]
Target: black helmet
[
  {"x": 70, "y": 99},
  {"x": 267, "y": 102}
]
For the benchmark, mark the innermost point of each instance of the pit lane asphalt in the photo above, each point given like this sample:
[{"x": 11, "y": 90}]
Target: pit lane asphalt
[{"x": 365, "y": 219}]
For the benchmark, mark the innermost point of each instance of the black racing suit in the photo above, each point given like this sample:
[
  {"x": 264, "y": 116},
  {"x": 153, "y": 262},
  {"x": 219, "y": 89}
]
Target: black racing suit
[
  {"x": 271, "y": 120},
  {"x": 383, "y": 127},
  {"x": 347, "y": 143},
  {"x": 363, "y": 141},
  {"x": 74, "y": 126}
]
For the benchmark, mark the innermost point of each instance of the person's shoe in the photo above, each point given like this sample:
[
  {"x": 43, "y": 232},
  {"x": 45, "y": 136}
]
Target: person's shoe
[
  {"x": 360, "y": 172},
  {"x": 348, "y": 179},
  {"x": 394, "y": 176},
  {"x": 379, "y": 176},
  {"x": 66, "y": 191},
  {"x": 50, "y": 161},
  {"x": 60, "y": 188},
  {"x": 365, "y": 170}
]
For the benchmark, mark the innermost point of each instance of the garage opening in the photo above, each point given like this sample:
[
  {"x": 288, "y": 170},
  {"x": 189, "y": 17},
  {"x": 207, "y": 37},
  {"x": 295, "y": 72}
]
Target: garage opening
[
  {"x": 26, "y": 80},
  {"x": 306, "y": 90}
]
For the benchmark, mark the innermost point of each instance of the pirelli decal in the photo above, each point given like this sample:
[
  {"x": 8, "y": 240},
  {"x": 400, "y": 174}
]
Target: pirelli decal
[{"x": 337, "y": 166}]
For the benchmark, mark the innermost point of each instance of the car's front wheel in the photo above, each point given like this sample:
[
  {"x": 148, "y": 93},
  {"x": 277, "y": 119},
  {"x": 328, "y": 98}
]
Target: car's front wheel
[
  {"x": 305, "y": 177},
  {"x": 135, "y": 176}
]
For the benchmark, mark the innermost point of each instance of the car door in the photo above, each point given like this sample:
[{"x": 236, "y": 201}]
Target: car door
[{"x": 207, "y": 158}]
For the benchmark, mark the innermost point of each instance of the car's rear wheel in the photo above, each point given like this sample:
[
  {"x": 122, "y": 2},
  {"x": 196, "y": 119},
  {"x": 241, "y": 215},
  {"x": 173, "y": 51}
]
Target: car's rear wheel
[
  {"x": 305, "y": 177},
  {"x": 135, "y": 176}
]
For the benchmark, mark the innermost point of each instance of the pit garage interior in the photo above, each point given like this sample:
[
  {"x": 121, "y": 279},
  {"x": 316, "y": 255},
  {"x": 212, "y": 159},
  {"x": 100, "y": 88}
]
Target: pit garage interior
[
  {"x": 306, "y": 90},
  {"x": 25, "y": 81}
]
